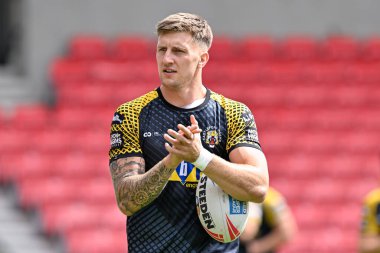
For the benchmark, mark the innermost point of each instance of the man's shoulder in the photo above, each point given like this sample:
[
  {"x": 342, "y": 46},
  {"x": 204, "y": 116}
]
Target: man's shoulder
[
  {"x": 225, "y": 102},
  {"x": 138, "y": 103},
  {"x": 373, "y": 196}
]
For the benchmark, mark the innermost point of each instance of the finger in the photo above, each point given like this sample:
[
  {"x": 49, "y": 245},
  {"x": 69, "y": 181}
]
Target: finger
[
  {"x": 172, "y": 133},
  {"x": 186, "y": 132},
  {"x": 173, "y": 150},
  {"x": 194, "y": 129},
  {"x": 193, "y": 120},
  {"x": 168, "y": 147},
  {"x": 177, "y": 138},
  {"x": 169, "y": 139}
]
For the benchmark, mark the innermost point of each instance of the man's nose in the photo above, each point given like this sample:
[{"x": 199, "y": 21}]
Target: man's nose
[{"x": 168, "y": 57}]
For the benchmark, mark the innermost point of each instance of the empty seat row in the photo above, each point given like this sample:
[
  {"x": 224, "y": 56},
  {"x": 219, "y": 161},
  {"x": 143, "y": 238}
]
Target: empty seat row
[
  {"x": 279, "y": 141},
  {"x": 336, "y": 166},
  {"x": 323, "y": 190},
  {"x": 38, "y": 192},
  {"x": 63, "y": 218},
  {"x": 67, "y": 70},
  {"x": 258, "y": 48},
  {"x": 301, "y": 118},
  {"x": 104, "y": 240}
]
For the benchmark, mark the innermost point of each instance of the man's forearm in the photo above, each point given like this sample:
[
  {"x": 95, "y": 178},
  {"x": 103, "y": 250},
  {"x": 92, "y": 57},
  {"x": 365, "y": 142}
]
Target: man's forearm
[
  {"x": 369, "y": 244},
  {"x": 135, "y": 190},
  {"x": 245, "y": 182}
]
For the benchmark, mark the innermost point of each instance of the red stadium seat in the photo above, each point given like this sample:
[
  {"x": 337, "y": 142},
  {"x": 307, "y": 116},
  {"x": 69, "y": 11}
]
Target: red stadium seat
[
  {"x": 95, "y": 140},
  {"x": 3, "y": 118},
  {"x": 79, "y": 164},
  {"x": 364, "y": 73},
  {"x": 38, "y": 192},
  {"x": 88, "y": 47},
  {"x": 31, "y": 117},
  {"x": 127, "y": 72},
  {"x": 66, "y": 70},
  {"x": 96, "y": 241},
  {"x": 85, "y": 97},
  {"x": 223, "y": 49},
  {"x": 258, "y": 48},
  {"x": 285, "y": 73},
  {"x": 76, "y": 118},
  {"x": 340, "y": 48},
  {"x": 299, "y": 48},
  {"x": 371, "y": 49},
  {"x": 133, "y": 48},
  {"x": 67, "y": 217},
  {"x": 331, "y": 73},
  {"x": 51, "y": 141},
  {"x": 14, "y": 141}
]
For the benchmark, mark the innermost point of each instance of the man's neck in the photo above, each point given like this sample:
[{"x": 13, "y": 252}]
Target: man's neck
[{"x": 184, "y": 96}]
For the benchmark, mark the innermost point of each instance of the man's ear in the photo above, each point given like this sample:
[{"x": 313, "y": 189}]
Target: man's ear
[{"x": 204, "y": 59}]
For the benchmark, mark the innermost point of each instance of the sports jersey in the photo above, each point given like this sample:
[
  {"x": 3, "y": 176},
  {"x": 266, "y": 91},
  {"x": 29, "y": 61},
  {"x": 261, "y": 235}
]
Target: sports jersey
[
  {"x": 170, "y": 223},
  {"x": 371, "y": 213},
  {"x": 271, "y": 210}
]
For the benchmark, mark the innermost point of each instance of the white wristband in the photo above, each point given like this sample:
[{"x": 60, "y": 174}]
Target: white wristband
[{"x": 203, "y": 159}]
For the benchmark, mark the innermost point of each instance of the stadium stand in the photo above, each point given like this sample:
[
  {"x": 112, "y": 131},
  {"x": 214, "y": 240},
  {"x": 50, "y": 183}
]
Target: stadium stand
[{"x": 316, "y": 103}]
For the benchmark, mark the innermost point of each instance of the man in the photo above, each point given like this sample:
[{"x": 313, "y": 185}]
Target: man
[
  {"x": 270, "y": 226},
  {"x": 370, "y": 231},
  {"x": 160, "y": 143}
]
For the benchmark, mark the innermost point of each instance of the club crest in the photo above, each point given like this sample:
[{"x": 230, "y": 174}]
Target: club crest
[{"x": 211, "y": 136}]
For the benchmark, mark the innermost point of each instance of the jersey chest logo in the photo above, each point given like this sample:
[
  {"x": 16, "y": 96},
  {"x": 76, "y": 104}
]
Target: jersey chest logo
[{"x": 187, "y": 174}]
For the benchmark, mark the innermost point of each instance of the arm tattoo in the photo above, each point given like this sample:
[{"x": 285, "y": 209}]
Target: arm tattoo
[{"x": 133, "y": 188}]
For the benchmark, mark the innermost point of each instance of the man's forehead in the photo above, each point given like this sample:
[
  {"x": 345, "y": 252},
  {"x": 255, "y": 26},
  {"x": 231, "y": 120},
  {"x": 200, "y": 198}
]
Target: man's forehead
[{"x": 175, "y": 39}]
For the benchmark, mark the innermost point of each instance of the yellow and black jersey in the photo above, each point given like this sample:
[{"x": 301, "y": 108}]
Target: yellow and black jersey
[
  {"x": 371, "y": 213},
  {"x": 273, "y": 207},
  {"x": 267, "y": 214},
  {"x": 170, "y": 223}
]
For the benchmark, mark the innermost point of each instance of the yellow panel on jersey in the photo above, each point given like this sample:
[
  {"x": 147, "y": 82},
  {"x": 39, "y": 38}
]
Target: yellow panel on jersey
[
  {"x": 273, "y": 206},
  {"x": 125, "y": 126},
  {"x": 241, "y": 124},
  {"x": 371, "y": 213}
]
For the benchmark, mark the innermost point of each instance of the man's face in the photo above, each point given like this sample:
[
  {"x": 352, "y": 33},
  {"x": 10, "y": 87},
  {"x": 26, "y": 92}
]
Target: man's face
[{"x": 177, "y": 58}]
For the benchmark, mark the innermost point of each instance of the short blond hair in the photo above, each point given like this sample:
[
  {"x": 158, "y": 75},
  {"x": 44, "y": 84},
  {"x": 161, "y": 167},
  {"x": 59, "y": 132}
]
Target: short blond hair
[{"x": 197, "y": 26}]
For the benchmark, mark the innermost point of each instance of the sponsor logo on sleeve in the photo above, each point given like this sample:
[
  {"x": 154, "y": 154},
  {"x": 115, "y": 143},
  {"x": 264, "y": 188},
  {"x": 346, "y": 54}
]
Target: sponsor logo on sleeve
[
  {"x": 251, "y": 135},
  {"x": 117, "y": 118},
  {"x": 248, "y": 118},
  {"x": 116, "y": 140}
]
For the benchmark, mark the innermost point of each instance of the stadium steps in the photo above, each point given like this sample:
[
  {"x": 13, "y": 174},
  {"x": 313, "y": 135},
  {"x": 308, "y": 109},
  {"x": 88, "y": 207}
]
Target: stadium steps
[{"x": 18, "y": 232}]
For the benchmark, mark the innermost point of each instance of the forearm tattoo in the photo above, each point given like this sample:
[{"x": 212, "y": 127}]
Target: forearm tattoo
[{"x": 133, "y": 188}]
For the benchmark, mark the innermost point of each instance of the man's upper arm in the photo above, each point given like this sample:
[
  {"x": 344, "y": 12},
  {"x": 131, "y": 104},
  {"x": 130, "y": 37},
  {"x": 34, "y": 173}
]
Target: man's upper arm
[
  {"x": 126, "y": 167},
  {"x": 248, "y": 155}
]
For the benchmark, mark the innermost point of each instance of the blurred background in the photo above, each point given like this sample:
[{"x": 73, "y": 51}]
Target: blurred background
[{"x": 309, "y": 71}]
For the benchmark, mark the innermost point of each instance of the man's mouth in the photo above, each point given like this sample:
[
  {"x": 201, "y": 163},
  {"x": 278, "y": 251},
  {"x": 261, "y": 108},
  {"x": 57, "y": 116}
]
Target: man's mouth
[{"x": 169, "y": 71}]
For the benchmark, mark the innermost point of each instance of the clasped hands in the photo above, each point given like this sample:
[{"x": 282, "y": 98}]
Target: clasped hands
[{"x": 184, "y": 144}]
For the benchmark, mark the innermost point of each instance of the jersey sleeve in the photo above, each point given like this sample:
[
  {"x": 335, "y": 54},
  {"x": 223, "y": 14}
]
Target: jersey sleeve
[
  {"x": 242, "y": 130},
  {"x": 124, "y": 135},
  {"x": 369, "y": 220},
  {"x": 274, "y": 205}
]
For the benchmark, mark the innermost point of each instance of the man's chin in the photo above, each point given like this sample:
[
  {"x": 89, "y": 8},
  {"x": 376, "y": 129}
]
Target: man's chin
[{"x": 169, "y": 83}]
